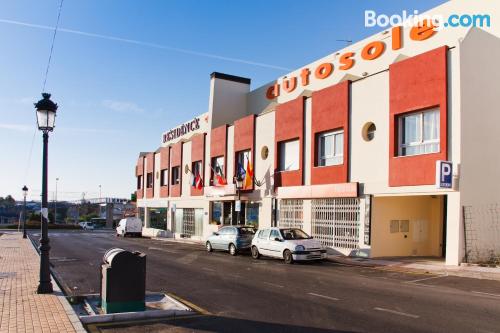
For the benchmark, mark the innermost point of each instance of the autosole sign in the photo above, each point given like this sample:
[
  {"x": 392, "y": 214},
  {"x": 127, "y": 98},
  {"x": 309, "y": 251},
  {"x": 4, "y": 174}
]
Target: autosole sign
[{"x": 371, "y": 51}]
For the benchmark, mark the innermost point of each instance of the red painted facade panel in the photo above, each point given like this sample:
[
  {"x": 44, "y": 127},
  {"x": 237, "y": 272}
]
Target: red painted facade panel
[
  {"x": 289, "y": 125},
  {"x": 244, "y": 139},
  {"x": 218, "y": 145},
  {"x": 244, "y": 133},
  {"x": 164, "y": 157},
  {"x": 164, "y": 164},
  {"x": 218, "y": 141},
  {"x": 176, "y": 160},
  {"x": 416, "y": 84},
  {"x": 150, "y": 165},
  {"x": 139, "y": 171},
  {"x": 330, "y": 111},
  {"x": 198, "y": 154}
]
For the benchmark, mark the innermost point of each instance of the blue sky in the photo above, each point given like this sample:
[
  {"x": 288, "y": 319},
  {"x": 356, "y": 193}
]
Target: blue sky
[{"x": 116, "y": 97}]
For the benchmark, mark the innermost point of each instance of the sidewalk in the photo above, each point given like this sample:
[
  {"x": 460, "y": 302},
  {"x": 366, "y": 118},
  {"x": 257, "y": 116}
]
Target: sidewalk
[
  {"x": 21, "y": 308},
  {"x": 421, "y": 265}
]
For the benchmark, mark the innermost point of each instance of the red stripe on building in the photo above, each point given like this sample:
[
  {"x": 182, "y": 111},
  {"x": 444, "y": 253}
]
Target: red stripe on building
[{"x": 416, "y": 84}]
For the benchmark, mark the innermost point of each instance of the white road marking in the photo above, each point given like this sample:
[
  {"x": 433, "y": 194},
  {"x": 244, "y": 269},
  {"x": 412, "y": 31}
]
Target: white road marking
[
  {"x": 423, "y": 285},
  {"x": 208, "y": 269},
  {"x": 161, "y": 249},
  {"x": 427, "y": 278},
  {"x": 483, "y": 293},
  {"x": 274, "y": 284},
  {"x": 397, "y": 312},
  {"x": 323, "y": 296}
]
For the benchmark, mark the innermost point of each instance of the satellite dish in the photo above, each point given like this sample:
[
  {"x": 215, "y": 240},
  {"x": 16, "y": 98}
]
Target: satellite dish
[{"x": 186, "y": 169}]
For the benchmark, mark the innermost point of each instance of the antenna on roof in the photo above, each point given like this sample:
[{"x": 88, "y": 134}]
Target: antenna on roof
[{"x": 347, "y": 41}]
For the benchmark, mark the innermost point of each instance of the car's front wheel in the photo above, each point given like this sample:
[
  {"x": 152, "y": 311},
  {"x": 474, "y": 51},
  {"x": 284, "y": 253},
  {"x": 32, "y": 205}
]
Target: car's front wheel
[
  {"x": 209, "y": 247},
  {"x": 232, "y": 250},
  {"x": 255, "y": 252},
  {"x": 287, "y": 255}
]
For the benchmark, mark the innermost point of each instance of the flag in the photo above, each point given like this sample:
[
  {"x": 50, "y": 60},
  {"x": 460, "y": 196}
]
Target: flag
[
  {"x": 240, "y": 173},
  {"x": 192, "y": 180},
  {"x": 198, "y": 182},
  {"x": 248, "y": 181},
  {"x": 219, "y": 176},
  {"x": 219, "y": 179}
]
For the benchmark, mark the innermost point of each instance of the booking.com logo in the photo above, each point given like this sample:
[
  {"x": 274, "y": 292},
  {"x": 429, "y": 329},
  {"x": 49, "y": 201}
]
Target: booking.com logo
[{"x": 373, "y": 19}]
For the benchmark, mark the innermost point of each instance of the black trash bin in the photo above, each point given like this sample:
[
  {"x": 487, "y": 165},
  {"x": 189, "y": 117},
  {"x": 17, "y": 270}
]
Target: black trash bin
[{"x": 123, "y": 281}]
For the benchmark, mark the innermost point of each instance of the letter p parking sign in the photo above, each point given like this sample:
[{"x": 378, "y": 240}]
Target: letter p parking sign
[{"x": 444, "y": 174}]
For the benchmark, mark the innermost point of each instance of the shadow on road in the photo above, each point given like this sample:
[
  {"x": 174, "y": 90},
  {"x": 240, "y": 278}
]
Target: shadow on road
[{"x": 212, "y": 324}]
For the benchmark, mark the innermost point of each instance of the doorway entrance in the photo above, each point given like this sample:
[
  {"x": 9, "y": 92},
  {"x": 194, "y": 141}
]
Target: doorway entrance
[{"x": 224, "y": 213}]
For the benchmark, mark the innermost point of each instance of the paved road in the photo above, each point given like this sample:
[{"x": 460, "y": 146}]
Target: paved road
[{"x": 245, "y": 295}]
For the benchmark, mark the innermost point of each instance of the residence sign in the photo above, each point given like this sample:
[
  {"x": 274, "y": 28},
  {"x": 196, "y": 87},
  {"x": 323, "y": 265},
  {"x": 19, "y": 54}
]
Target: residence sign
[
  {"x": 181, "y": 130},
  {"x": 370, "y": 51}
]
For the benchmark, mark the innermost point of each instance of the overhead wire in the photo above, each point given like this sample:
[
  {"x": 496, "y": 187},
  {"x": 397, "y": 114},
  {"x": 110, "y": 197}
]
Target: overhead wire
[
  {"x": 44, "y": 84},
  {"x": 52, "y": 46}
]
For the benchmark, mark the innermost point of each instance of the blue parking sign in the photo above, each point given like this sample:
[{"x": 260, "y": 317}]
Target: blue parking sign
[{"x": 444, "y": 174}]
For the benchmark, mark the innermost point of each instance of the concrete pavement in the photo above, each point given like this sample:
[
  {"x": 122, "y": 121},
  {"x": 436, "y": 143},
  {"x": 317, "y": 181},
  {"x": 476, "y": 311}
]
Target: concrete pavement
[{"x": 21, "y": 308}]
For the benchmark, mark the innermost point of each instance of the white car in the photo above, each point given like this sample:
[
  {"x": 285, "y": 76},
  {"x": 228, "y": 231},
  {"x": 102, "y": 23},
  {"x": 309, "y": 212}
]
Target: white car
[
  {"x": 291, "y": 244},
  {"x": 87, "y": 225}
]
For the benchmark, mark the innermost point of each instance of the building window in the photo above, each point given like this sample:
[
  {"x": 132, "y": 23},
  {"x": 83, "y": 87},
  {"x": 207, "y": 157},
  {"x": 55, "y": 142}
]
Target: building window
[
  {"x": 139, "y": 182},
  {"x": 176, "y": 173},
  {"x": 330, "y": 148},
  {"x": 158, "y": 218},
  {"x": 164, "y": 177},
  {"x": 217, "y": 168},
  {"x": 419, "y": 133},
  {"x": 368, "y": 131},
  {"x": 289, "y": 153},
  {"x": 149, "y": 180},
  {"x": 197, "y": 169}
]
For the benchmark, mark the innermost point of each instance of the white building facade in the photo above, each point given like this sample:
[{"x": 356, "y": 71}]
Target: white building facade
[{"x": 348, "y": 148}]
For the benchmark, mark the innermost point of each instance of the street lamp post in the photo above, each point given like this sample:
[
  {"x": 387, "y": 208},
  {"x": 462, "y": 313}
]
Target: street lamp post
[
  {"x": 46, "y": 116},
  {"x": 239, "y": 185},
  {"x": 25, "y": 193}
]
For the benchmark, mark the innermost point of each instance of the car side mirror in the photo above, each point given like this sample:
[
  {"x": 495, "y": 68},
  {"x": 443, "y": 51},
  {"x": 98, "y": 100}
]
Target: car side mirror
[
  {"x": 216, "y": 234},
  {"x": 277, "y": 239}
]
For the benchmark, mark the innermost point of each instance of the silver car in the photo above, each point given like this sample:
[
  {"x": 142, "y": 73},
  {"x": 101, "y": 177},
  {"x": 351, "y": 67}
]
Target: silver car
[{"x": 231, "y": 238}]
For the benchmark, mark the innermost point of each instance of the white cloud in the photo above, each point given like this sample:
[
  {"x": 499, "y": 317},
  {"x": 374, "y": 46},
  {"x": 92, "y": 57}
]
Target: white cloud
[
  {"x": 30, "y": 128},
  {"x": 18, "y": 127},
  {"x": 89, "y": 130},
  {"x": 152, "y": 45},
  {"x": 122, "y": 106}
]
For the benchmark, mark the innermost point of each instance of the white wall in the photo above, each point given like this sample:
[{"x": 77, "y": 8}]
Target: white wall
[
  {"x": 230, "y": 155},
  {"x": 156, "y": 176},
  {"x": 227, "y": 101},
  {"x": 264, "y": 169},
  {"x": 369, "y": 162},
  {"x": 186, "y": 177},
  {"x": 480, "y": 101}
]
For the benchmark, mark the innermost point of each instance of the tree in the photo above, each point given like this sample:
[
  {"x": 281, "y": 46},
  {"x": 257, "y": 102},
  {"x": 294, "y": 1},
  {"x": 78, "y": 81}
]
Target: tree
[{"x": 7, "y": 202}]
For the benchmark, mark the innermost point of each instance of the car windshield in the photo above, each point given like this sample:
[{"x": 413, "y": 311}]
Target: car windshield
[
  {"x": 247, "y": 231},
  {"x": 294, "y": 234}
]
